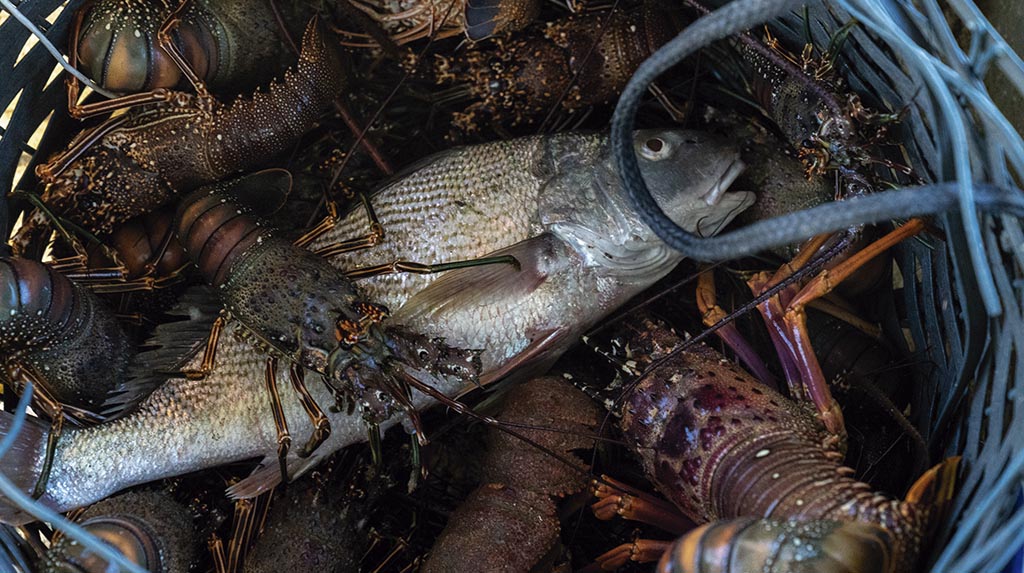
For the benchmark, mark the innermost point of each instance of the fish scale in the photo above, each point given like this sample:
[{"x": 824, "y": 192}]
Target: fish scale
[{"x": 482, "y": 188}]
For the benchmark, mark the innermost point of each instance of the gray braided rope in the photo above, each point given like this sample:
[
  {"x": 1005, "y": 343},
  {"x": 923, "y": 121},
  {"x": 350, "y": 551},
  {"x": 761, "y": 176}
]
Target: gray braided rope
[{"x": 730, "y": 19}]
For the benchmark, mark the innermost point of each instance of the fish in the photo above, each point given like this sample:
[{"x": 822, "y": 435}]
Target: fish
[
  {"x": 182, "y": 426},
  {"x": 553, "y": 202}
]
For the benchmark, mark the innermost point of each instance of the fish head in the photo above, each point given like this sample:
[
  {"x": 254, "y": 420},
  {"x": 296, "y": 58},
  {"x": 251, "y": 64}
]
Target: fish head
[{"x": 688, "y": 173}]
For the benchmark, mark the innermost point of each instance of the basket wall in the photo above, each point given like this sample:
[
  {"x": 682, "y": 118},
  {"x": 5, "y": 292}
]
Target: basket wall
[{"x": 969, "y": 366}]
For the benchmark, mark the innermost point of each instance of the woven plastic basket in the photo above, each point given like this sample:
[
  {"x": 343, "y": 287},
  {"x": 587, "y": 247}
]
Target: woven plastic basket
[{"x": 963, "y": 291}]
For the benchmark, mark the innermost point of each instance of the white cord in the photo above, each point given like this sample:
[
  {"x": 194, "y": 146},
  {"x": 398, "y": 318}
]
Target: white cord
[{"x": 14, "y": 11}]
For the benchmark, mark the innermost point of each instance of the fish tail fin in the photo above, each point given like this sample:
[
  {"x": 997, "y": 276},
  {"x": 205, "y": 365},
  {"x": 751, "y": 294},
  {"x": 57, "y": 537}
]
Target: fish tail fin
[{"x": 22, "y": 463}]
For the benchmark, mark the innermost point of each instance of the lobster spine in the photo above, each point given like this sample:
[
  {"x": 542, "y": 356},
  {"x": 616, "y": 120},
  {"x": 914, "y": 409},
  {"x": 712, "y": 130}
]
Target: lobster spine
[{"x": 267, "y": 124}]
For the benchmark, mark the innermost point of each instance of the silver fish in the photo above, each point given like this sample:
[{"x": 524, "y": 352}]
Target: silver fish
[
  {"x": 554, "y": 203},
  {"x": 555, "y": 199},
  {"x": 183, "y": 426}
]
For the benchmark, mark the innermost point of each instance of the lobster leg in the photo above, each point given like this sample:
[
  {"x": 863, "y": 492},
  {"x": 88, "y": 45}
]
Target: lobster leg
[
  {"x": 616, "y": 498},
  {"x": 53, "y": 409},
  {"x": 425, "y": 269},
  {"x": 42, "y": 400},
  {"x": 48, "y": 172},
  {"x": 786, "y": 319},
  {"x": 773, "y": 310},
  {"x": 249, "y": 517},
  {"x": 796, "y": 321},
  {"x": 640, "y": 551},
  {"x": 168, "y": 46},
  {"x": 210, "y": 353},
  {"x": 712, "y": 314},
  {"x": 284, "y": 438},
  {"x": 321, "y": 425},
  {"x": 41, "y": 222},
  {"x": 144, "y": 282},
  {"x": 88, "y": 110},
  {"x": 372, "y": 238}
]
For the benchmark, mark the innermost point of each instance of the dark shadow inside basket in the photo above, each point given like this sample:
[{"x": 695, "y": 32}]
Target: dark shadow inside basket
[{"x": 967, "y": 367}]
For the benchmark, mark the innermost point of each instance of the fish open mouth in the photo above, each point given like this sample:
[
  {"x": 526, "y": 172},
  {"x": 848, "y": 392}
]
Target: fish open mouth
[{"x": 715, "y": 194}]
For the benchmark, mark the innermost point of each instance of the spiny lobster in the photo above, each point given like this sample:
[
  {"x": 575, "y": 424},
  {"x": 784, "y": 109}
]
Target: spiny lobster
[
  {"x": 721, "y": 445},
  {"x": 136, "y": 162}
]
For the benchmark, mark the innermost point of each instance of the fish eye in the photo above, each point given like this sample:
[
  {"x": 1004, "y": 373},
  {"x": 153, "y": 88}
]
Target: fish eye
[{"x": 655, "y": 149}]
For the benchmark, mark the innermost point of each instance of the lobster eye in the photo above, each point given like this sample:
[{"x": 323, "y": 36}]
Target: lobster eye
[
  {"x": 655, "y": 149},
  {"x": 423, "y": 354}
]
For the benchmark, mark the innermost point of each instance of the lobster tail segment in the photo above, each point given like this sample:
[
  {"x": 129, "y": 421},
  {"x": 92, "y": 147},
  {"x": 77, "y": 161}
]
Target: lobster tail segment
[
  {"x": 770, "y": 546},
  {"x": 267, "y": 124},
  {"x": 216, "y": 224}
]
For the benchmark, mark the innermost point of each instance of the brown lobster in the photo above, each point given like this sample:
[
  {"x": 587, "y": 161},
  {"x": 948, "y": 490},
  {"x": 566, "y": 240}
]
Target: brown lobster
[
  {"x": 136, "y": 162},
  {"x": 150, "y": 528},
  {"x": 521, "y": 482},
  {"x": 294, "y": 305},
  {"x": 406, "y": 21},
  {"x": 140, "y": 46},
  {"x": 62, "y": 338},
  {"x": 575, "y": 62},
  {"x": 722, "y": 445}
]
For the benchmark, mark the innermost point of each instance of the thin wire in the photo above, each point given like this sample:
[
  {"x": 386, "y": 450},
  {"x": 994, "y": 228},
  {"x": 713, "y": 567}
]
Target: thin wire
[{"x": 14, "y": 11}]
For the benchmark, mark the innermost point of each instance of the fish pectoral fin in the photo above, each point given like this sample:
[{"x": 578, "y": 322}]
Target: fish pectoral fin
[
  {"x": 484, "y": 284},
  {"x": 544, "y": 348},
  {"x": 267, "y": 475}
]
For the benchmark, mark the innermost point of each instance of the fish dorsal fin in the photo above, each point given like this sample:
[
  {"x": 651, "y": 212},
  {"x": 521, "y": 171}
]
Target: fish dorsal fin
[
  {"x": 484, "y": 284},
  {"x": 171, "y": 346}
]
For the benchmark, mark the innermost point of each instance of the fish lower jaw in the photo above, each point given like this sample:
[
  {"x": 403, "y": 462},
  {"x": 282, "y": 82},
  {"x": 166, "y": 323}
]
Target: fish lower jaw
[
  {"x": 638, "y": 267},
  {"x": 716, "y": 193}
]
